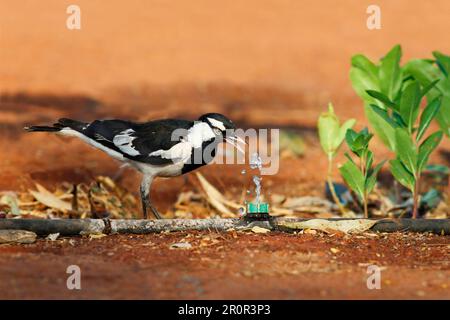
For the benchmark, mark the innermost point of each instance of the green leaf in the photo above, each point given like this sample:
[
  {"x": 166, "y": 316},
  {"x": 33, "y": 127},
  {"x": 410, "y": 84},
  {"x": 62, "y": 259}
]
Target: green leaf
[
  {"x": 428, "y": 114},
  {"x": 356, "y": 141},
  {"x": 384, "y": 115},
  {"x": 369, "y": 161},
  {"x": 361, "y": 82},
  {"x": 383, "y": 126},
  {"x": 350, "y": 137},
  {"x": 342, "y": 131},
  {"x": 425, "y": 72},
  {"x": 353, "y": 177},
  {"x": 372, "y": 177},
  {"x": 409, "y": 104},
  {"x": 443, "y": 116},
  {"x": 408, "y": 77},
  {"x": 401, "y": 174},
  {"x": 390, "y": 74},
  {"x": 364, "y": 76},
  {"x": 348, "y": 157},
  {"x": 443, "y": 62},
  {"x": 382, "y": 98},
  {"x": 397, "y": 118},
  {"x": 362, "y": 62},
  {"x": 428, "y": 87},
  {"x": 365, "y": 132},
  {"x": 328, "y": 126},
  {"x": 427, "y": 146},
  {"x": 406, "y": 150}
]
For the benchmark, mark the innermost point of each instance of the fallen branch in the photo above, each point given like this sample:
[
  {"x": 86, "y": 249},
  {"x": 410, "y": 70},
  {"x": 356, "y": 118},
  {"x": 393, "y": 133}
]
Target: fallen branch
[{"x": 70, "y": 227}]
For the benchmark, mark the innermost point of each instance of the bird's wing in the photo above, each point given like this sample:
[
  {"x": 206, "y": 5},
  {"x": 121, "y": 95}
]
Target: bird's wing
[
  {"x": 180, "y": 152},
  {"x": 156, "y": 142}
]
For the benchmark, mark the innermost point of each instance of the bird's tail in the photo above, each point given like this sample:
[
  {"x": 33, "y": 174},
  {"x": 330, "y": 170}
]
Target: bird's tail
[
  {"x": 61, "y": 124},
  {"x": 42, "y": 129}
]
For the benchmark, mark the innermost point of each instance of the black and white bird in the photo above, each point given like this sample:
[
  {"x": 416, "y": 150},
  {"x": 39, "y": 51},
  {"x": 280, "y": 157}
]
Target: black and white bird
[{"x": 159, "y": 148}]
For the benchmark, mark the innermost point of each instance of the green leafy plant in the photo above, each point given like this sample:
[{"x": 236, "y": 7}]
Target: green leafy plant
[
  {"x": 386, "y": 77},
  {"x": 361, "y": 177},
  {"x": 382, "y": 86},
  {"x": 331, "y": 136},
  {"x": 400, "y": 117},
  {"x": 431, "y": 71}
]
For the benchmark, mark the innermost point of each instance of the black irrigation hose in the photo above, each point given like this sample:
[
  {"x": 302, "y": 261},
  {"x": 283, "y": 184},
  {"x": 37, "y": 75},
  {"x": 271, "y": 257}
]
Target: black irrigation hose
[
  {"x": 437, "y": 226},
  {"x": 70, "y": 227}
]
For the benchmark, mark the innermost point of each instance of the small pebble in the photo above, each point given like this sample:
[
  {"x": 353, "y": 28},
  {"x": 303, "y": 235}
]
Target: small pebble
[
  {"x": 52, "y": 236},
  {"x": 181, "y": 245}
]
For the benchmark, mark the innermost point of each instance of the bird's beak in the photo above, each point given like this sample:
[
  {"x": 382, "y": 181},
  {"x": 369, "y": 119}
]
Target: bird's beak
[
  {"x": 234, "y": 140},
  {"x": 239, "y": 139}
]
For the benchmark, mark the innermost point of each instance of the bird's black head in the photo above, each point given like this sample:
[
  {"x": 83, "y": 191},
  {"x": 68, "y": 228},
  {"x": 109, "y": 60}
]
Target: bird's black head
[
  {"x": 218, "y": 122},
  {"x": 223, "y": 127}
]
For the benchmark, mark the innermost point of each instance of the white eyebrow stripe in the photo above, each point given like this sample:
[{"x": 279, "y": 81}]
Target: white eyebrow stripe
[{"x": 216, "y": 123}]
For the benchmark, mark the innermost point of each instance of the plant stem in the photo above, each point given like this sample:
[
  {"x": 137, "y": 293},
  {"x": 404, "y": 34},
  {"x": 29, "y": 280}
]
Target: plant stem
[
  {"x": 366, "y": 211},
  {"x": 331, "y": 186},
  {"x": 416, "y": 198},
  {"x": 416, "y": 189},
  {"x": 362, "y": 164}
]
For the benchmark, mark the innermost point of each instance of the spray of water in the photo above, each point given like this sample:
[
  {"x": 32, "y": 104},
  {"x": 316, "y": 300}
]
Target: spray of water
[
  {"x": 256, "y": 163},
  {"x": 257, "y": 182}
]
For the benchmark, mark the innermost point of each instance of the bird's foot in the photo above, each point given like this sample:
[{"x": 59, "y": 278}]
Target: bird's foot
[
  {"x": 155, "y": 212},
  {"x": 147, "y": 206}
]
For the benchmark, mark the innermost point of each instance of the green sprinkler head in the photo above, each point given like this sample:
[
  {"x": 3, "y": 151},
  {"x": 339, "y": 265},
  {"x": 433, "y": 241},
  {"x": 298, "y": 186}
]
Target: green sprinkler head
[{"x": 257, "y": 211}]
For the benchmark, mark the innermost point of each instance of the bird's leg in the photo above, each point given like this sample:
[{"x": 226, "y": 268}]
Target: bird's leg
[
  {"x": 145, "y": 197},
  {"x": 155, "y": 212},
  {"x": 144, "y": 200}
]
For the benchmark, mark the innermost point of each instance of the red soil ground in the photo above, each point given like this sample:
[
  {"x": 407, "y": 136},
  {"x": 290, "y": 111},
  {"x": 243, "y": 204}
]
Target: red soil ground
[{"x": 227, "y": 266}]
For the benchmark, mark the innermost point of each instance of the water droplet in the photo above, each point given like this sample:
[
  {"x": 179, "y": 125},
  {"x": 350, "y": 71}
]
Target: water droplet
[
  {"x": 243, "y": 171},
  {"x": 249, "y": 191},
  {"x": 255, "y": 161}
]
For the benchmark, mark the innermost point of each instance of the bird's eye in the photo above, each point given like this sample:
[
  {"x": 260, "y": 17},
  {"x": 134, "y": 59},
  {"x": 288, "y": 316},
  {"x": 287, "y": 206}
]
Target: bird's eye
[{"x": 217, "y": 131}]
